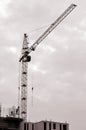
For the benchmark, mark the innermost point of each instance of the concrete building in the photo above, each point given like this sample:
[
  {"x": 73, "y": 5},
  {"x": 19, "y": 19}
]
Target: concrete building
[
  {"x": 10, "y": 123},
  {"x": 46, "y": 125}
]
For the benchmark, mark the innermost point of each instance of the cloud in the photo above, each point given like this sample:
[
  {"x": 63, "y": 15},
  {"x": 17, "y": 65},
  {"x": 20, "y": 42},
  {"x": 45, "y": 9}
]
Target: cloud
[
  {"x": 36, "y": 67},
  {"x": 12, "y": 50},
  {"x": 3, "y": 8}
]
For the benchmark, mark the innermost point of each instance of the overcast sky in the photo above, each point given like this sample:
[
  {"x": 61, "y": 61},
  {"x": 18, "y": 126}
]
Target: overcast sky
[{"x": 58, "y": 67}]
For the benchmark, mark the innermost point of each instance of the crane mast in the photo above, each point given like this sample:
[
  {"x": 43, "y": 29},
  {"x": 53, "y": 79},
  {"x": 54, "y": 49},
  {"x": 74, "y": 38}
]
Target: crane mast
[
  {"x": 25, "y": 58},
  {"x": 24, "y": 66}
]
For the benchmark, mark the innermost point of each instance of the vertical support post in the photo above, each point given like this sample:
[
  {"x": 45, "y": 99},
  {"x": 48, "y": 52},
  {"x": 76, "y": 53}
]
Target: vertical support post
[{"x": 24, "y": 80}]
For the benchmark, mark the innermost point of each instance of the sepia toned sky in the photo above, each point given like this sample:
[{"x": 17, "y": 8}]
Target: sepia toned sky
[{"x": 57, "y": 71}]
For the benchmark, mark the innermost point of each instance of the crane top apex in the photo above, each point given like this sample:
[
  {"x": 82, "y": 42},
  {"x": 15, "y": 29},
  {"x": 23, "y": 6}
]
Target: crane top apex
[
  {"x": 49, "y": 30},
  {"x": 25, "y": 35}
]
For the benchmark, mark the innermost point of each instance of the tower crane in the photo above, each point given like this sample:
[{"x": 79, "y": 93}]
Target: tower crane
[{"x": 25, "y": 58}]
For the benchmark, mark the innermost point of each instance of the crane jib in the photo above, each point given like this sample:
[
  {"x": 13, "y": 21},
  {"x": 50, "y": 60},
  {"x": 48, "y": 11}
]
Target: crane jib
[{"x": 50, "y": 28}]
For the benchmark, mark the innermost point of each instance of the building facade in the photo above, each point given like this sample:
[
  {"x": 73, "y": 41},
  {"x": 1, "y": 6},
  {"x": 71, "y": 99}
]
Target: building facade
[
  {"x": 46, "y": 125},
  {"x": 10, "y": 123}
]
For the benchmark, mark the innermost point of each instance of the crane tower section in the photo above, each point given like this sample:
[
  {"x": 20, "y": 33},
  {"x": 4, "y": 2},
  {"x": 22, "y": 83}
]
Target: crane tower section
[{"x": 24, "y": 66}]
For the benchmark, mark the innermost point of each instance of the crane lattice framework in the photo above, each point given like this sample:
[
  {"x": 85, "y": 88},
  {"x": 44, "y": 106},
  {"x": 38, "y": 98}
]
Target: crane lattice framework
[
  {"x": 24, "y": 67},
  {"x": 25, "y": 58}
]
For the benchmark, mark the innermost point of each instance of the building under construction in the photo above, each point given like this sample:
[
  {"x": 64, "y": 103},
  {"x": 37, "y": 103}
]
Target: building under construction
[
  {"x": 11, "y": 123},
  {"x": 46, "y": 125}
]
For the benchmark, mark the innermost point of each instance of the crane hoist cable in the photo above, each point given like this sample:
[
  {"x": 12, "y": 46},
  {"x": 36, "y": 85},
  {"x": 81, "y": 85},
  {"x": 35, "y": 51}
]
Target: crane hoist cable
[
  {"x": 32, "y": 84},
  {"x": 32, "y": 94},
  {"x": 39, "y": 28}
]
